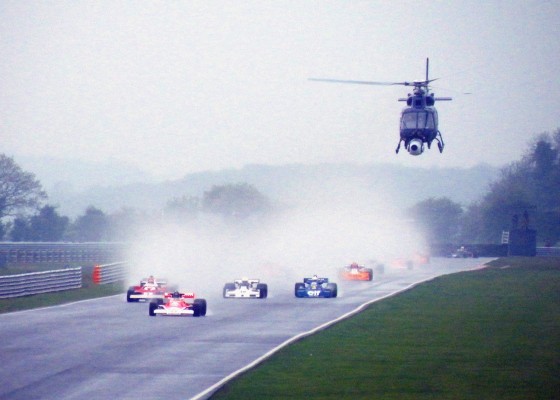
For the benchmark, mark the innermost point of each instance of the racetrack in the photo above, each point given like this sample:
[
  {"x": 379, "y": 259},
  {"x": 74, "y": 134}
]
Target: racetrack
[{"x": 107, "y": 348}]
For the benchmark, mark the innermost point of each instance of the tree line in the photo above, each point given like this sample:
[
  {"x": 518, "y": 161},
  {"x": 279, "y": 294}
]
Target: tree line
[
  {"x": 25, "y": 215},
  {"x": 527, "y": 193}
]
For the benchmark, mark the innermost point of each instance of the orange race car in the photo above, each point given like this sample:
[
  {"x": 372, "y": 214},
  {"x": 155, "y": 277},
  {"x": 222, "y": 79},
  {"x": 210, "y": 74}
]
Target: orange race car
[{"x": 355, "y": 272}]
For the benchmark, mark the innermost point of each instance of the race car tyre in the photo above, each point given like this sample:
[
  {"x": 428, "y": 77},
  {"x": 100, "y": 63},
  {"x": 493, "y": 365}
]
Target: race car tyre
[
  {"x": 196, "y": 310},
  {"x": 263, "y": 290},
  {"x": 370, "y": 273},
  {"x": 334, "y": 289},
  {"x": 228, "y": 287},
  {"x": 153, "y": 307},
  {"x": 128, "y": 293},
  {"x": 298, "y": 287},
  {"x": 201, "y": 304}
]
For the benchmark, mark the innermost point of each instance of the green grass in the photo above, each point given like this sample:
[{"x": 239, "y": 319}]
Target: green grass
[
  {"x": 486, "y": 334},
  {"x": 88, "y": 290}
]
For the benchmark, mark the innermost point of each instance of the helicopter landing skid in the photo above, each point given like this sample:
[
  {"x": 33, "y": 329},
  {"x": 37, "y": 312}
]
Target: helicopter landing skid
[{"x": 440, "y": 143}]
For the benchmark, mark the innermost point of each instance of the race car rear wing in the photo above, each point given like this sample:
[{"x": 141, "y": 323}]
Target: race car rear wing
[
  {"x": 320, "y": 281},
  {"x": 169, "y": 295},
  {"x": 157, "y": 282}
]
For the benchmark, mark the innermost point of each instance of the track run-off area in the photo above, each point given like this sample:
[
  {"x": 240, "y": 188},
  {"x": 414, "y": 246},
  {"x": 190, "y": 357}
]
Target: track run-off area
[{"x": 108, "y": 348}]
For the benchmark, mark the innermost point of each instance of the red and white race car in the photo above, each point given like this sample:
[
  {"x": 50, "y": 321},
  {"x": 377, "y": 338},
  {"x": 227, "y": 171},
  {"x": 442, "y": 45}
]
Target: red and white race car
[
  {"x": 149, "y": 288},
  {"x": 175, "y": 304},
  {"x": 355, "y": 272}
]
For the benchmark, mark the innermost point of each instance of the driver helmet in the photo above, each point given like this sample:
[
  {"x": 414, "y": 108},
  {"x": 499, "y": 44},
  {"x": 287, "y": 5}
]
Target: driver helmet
[{"x": 176, "y": 295}]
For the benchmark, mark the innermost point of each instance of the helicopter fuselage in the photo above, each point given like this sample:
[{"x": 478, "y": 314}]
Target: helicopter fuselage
[{"x": 420, "y": 124}]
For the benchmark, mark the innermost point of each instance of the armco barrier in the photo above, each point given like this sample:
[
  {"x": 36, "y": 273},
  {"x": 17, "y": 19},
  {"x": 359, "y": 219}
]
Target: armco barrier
[
  {"x": 548, "y": 251},
  {"x": 40, "y": 282},
  {"x": 61, "y": 252},
  {"x": 109, "y": 273}
]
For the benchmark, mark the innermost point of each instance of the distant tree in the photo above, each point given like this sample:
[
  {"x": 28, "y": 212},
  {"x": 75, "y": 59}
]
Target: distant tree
[
  {"x": 545, "y": 160},
  {"x": 439, "y": 219},
  {"x": 48, "y": 225},
  {"x": 20, "y": 230},
  {"x": 121, "y": 224},
  {"x": 471, "y": 224},
  {"x": 531, "y": 184},
  {"x": 90, "y": 227},
  {"x": 182, "y": 208},
  {"x": 235, "y": 202},
  {"x": 509, "y": 195},
  {"x": 19, "y": 191}
]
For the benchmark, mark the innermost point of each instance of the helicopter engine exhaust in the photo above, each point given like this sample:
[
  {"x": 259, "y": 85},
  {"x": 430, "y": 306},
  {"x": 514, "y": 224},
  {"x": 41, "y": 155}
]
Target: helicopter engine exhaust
[{"x": 416, "y": 147}]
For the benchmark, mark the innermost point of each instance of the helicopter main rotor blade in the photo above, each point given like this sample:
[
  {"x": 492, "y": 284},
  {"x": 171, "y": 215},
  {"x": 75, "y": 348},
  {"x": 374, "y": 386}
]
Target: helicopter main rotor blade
[
  {"x": 359, "y": 82},
  {"x": 419, "y": 84}
]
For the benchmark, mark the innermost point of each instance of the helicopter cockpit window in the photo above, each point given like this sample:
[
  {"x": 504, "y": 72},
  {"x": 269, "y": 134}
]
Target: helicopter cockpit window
[
  {"x": 417, "y": 120},
  {"x": 409, "y": 121},
  {"x": 426, "y": 120}
]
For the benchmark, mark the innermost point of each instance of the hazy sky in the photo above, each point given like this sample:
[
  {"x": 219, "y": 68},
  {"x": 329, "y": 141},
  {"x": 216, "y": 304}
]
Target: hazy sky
[{"x": 174, "y": 87}]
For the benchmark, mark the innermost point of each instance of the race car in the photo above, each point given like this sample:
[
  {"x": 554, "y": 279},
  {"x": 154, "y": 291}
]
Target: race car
[
  {"x": 149, "y": 288},
  {"x": 355, "y": 272},
  {"x": 417, "y": 259},
  {"x": 463, "y": 252},
  {"x": 315, "y": 287},
  {"x": 246, "y": 288},
  {"x": 175, "y": 304},
  {"x": 421, "y": 258},
  {"x": 402, "y": 263}
]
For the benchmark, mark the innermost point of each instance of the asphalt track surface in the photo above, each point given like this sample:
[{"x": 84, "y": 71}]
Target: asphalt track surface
[{"x": 109, "y": 349}]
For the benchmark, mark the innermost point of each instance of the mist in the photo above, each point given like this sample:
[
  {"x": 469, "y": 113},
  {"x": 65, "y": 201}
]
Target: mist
[{"x": 319, "y": 229}]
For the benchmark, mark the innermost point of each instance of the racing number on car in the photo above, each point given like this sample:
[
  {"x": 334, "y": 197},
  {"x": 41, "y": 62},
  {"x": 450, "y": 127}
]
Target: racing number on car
[{"x": 313, "y": 293}]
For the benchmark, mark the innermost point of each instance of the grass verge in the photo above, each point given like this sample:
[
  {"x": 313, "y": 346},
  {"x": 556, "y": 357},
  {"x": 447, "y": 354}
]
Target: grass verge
[
  {"x": 486, "y": 334},
  {"x": 88, "y": 290}
]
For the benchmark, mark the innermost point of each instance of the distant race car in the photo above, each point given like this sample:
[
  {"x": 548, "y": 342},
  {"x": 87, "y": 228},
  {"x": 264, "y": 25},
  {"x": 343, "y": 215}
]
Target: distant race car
[
  {"x": 316, "y": 287},
  {"x": 463, "y": 252},
  {"x": 417, "y": 259},
  {"x": 421, "y": 258},
  {"x": 176, "y": 304},
  {"x": 355, "y": 272},
  {"x": 148, "y": 289},
  {"x": 402, "y": 263},
  {"x": 246, "y": 288}
]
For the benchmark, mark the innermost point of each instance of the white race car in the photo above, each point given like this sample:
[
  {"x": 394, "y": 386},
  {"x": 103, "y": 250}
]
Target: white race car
[{"x": 246, "y": 288}]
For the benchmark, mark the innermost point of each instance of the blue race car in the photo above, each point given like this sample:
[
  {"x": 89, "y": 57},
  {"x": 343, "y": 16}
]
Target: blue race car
[{"x": 315, "y": 287}]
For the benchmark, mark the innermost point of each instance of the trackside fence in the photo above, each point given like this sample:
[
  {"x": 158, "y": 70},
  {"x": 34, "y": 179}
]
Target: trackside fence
[
  {"x": 60, "y": 252},
  {"x": 548, "y": 251},
  {"x": 40, "y": 282},
  {"x": 109, "y": 273}
]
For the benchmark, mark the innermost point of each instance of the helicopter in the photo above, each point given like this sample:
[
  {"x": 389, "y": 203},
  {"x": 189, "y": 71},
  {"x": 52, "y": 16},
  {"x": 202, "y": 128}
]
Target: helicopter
[{"x": 419, "y": 119}]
